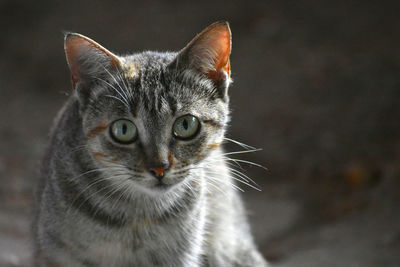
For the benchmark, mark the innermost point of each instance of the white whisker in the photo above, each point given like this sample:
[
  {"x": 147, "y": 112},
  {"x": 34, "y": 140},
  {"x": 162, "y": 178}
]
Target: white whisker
[
  {"x": 127, "y": 88},
  {"x": 248, "y": 162},
  {"x": 90, "y": 171},
  {"x": 124, "y": 96},
  {"x": 120, "y": 100},
  {"x": 90, "y": 185},
  {"x": 240, "y": 179},
  {"x": 242, "y": 152},
  {"x": 219, "y": 180},
  {"x": 125, "y": 100},
  {"x": 244, "y": 176},
  {"x": 240, "y": 144}
]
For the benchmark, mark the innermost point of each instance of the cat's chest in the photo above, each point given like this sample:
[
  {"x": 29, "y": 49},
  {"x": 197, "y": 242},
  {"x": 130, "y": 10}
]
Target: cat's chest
[{"x": 146, "y": 244}]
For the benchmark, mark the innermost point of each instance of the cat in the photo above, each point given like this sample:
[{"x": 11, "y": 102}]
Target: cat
[{"x": 134, "y": 174}]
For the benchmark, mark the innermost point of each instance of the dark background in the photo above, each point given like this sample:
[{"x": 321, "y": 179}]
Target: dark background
[{"x": 316, "y": 85}]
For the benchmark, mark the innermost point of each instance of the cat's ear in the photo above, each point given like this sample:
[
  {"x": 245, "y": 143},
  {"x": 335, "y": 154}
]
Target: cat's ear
[
  {"x": 208, "y": 53},
  {"x": 86, "y": 58}
]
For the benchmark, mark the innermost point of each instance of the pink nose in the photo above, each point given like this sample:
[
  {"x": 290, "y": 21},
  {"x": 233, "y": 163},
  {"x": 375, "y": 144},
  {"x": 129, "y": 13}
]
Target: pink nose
[{"x": 158, "y": 171}]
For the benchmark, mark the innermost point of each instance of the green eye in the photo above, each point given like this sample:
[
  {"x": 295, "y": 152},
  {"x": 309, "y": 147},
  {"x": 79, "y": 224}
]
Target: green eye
[
  {"x": 186, "y": 127},
  {"x": 123, "y": 131}
]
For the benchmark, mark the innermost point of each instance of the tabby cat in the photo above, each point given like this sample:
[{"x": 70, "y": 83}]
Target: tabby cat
[{"x": 134, "y": 174}]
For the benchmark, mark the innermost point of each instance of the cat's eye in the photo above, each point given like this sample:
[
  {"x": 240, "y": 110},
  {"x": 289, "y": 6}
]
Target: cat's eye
[
  {"x": 123, "y": 131},
  {"x": 186, "y": 127}
]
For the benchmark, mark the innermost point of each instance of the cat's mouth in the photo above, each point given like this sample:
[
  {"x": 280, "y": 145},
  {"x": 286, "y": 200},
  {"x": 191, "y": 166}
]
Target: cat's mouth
[
  {"x": 162, "y": 186},
  {"x": 158, "y": 185}
]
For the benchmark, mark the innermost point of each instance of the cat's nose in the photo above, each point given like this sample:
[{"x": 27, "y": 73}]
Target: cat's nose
[{"x": 158, "y": 171}]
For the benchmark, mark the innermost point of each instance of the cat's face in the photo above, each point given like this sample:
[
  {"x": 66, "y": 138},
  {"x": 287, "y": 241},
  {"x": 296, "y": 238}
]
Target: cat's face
[{"x": 152, "y": 119}]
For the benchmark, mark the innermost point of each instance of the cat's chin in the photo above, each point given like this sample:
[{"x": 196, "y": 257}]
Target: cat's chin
[
  {"x": 161, "y": 186},
  {"x": 156, "y": 189}
]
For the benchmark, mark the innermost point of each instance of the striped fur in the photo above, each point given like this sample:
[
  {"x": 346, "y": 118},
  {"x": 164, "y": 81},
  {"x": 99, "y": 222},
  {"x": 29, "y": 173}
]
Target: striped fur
[{"x": 100, "y": 206}]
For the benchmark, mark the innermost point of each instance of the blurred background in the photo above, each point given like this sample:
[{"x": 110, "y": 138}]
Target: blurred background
[{"x": 316, "y": 86}]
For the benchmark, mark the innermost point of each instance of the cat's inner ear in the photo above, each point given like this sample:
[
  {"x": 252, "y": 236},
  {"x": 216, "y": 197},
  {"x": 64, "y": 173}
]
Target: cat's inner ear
[
  {"x": 209, "y": 52},
  {"x": 86, "y": 58}
]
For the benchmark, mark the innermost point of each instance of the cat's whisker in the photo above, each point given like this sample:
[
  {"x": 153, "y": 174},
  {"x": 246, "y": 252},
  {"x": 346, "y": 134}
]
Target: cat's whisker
[
  {"x": 207, "y": 189},
  {"x": 106, "y": 197},
  {"x": 216, "y": 179},
  {"x": 90, "y": 171},
  {"x": 114, "y": 164},
  {"x": 242, "y": 151},
  {"x": 240, "y": 179},
  {"x": 91, "y": 196},
  {"x": 99, "y": 204},
  {"x": 245, "y": 177},
  {"x": 90, "y": 185},
  {"x": 119, "y": 99},
  {"x": 213, "y": 182},
  {"x": 239, "y": 176},
  {"x": 135, "y": 171},
  {"x": 101, "y": 179},
  {"x": 235, "y": 186},
  {"x": 112, "y": 187},
  {"x": 240, "y": 143},
  {"x": 124, "y": 82},
  {"x": 188, "y": 186},
  {"x": 127, "y": 191},
  {"x": 247, "y": 162},
  {"x": 230, "y": 162},
  {"x": 122, "y": 188},
  {"x": 125, "y": 100},
  {"x": 121, "y": 92},
  {"x": 124, "y": 88},
  {"x": 235, "y": 178}
]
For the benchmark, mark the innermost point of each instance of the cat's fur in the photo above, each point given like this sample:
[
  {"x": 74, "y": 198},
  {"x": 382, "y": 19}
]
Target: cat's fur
[{"x": 99, "y": 204}]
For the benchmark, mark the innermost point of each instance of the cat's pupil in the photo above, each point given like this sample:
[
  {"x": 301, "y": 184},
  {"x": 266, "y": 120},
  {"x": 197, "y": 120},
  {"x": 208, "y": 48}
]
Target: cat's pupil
[
  {"x": 185, "y": 124},
  {"x": 124, "y": 128}
]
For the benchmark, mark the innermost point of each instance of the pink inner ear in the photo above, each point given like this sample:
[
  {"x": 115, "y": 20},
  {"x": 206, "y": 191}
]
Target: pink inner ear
[
  {"x": 223, "y": 45},
  {"x": 75, "y": 46},
  {"x": 218, "y": 38}
]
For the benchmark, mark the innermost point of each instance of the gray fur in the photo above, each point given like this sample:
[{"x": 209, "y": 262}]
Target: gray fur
[{"x": 98, "y": 205}]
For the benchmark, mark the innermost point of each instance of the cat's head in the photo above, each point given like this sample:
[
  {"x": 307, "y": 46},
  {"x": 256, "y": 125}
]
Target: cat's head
[{"x": 152, "y": 119}]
